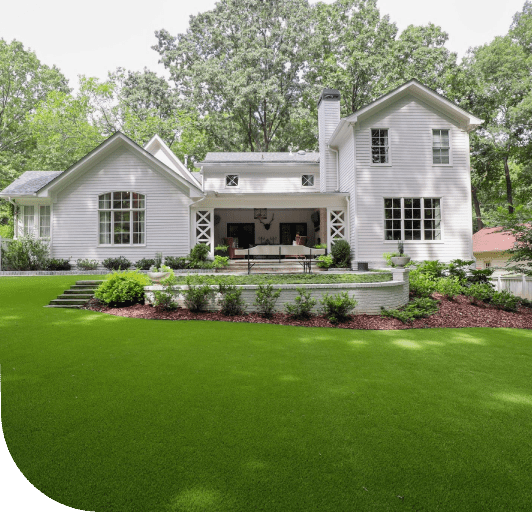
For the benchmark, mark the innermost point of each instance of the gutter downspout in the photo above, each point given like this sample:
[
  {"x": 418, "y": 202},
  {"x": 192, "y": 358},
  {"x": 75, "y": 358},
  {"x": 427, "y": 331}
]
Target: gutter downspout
[{"x": 337, "y": 167}]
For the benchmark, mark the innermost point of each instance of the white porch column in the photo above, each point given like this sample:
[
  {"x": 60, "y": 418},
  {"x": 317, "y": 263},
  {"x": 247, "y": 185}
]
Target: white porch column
[
  {"x": 203, "y": 228},
  {"x": 336, "y": 225}
]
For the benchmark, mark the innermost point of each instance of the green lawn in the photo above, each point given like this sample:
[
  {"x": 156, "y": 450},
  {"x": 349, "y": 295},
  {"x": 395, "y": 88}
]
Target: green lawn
[{"x": 113, "y": 414}]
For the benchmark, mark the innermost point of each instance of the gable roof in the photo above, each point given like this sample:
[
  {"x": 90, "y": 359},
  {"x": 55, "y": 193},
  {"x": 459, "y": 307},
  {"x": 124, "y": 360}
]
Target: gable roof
[
  {"x": 44, "y": 186},
  {"x": 416, "y": 88},
  {"x": 258, "y": 157},
  {"x": 492, "y": 240},
  {"x": 30, "y": 182}
]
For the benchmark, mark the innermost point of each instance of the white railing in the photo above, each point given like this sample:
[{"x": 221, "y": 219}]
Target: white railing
[
  {"x": 519, "y": 285},
  {"x": 3, "y": 245}
]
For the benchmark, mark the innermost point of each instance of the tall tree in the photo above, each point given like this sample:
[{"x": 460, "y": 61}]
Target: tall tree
[
  {"x": 24, "y": 82},
  {"x": 352, "y": 50},
  {"x": 241, "y": 65}
]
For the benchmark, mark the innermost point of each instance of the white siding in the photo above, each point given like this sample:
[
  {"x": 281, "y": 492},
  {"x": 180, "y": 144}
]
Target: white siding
[
  {"x": 412, "y": 174},
  {"x": 285, "y": 180},
  {"x": 75, "y": 214}
]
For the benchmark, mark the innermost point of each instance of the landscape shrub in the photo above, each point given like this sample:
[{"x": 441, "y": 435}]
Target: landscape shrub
[
  {"x": 337, "y": 308},
  {"x": 505, "y": 300},
  {"x": 197, "y": 296},
  {"x": 302, "y": 306},
  {"x": 25, "y": 253},
  {"x": 324, "y": 261},
  {"x": 220, "y": 262},
  {"x": 341, "y": 253},
  {"x": 58, "y": 264},
  {"x": 450, "y": 287},
  {"x": 479, "y": 292},
  {"x": 199, "y": 252},
  {"x": 119, "y": 263},
  {"x": 421, "y": 285},
  {"x": 165, "y": 300},
  {"x": 144, "y": 264},
  {"x": 418, "y": 308},
  {"x": 430, "y": 268},
  {"x": 86, "y": 264},
  {"x": 266, "y": 299},
  {"x": 460, "y": 269},
  {"x": 481, "y": 276},
  {"x": 230, "y": 300},
  {"x": 175, "y": 262},
  {"x": 122, "y": 288}
]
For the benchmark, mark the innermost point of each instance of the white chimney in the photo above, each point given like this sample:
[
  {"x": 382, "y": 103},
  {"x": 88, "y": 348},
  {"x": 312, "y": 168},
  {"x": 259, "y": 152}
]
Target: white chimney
[{"x": 328, "y": 119}]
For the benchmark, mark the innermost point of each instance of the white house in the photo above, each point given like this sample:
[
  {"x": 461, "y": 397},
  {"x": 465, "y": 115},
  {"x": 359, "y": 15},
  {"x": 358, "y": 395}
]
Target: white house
[{"x": 397, "y": 169}]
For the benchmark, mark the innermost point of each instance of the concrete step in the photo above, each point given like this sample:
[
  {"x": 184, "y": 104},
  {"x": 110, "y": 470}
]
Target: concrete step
[
  {"x": 90, "y": 283},
  {"x": 69, "y": 295},
  {"x": 62, "y": 306},
  {"x": 68, "y": 302},
  {"x": 81, "y": 289}
]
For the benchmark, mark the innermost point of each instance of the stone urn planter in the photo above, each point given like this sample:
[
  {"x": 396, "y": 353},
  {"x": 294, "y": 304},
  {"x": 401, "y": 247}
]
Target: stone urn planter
[
  {"x": 157, "y": 277},
  {"x": 400, "y": 261}
]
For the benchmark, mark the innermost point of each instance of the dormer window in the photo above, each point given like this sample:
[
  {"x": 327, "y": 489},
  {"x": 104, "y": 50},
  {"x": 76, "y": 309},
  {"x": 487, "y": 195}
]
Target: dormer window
[
  {"x": 231, "y": 180},
  {"x": 307, "y": 180},
  {"x": 380, "y": 153},
  {"x": 440, "y": 147}
]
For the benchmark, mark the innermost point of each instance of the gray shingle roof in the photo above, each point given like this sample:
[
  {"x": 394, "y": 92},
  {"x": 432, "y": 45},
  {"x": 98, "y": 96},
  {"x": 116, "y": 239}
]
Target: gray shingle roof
[
  {"x": 259, "y": 157},
  {"x": 30, "y": 182}
]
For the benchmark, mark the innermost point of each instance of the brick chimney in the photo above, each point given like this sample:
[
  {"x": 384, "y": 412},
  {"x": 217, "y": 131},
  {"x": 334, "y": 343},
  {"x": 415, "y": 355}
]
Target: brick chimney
[{"x": 328, "y": 119}]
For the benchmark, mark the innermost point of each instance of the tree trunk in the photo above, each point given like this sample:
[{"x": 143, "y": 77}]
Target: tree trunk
[
  {"x": 509, "y": 198},
  {"x": 480, "y": 224}
]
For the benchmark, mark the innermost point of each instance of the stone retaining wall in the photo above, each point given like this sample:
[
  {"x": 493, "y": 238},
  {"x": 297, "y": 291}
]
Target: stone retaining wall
[{"x": 370, "y": 296}]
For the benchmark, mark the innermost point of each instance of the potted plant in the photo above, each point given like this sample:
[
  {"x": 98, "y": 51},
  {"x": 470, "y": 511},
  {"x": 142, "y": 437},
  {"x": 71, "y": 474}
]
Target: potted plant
[
  {"x": 158, "y": 274},
  {"x": 402, "y": 259}
]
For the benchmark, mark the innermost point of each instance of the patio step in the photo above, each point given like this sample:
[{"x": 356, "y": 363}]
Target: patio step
[{"x": 78, "y": 295}]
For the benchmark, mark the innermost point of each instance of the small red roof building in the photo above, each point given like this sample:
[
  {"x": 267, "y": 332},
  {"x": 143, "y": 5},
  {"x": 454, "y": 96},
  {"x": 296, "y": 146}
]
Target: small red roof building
[{"x": 490, "y": 240}]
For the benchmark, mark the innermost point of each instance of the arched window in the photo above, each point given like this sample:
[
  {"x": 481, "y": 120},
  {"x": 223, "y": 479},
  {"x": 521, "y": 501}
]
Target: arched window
[{"x": 122, "y": 218}]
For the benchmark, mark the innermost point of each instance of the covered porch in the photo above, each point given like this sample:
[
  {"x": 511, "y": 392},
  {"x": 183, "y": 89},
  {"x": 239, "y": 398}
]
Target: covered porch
[{"x": 270, "y": 219}]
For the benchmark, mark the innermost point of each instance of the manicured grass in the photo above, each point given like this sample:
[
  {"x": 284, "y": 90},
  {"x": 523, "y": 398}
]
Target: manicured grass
[
  {"x": 371, "y": 277},
  {"x": 115, "y": 414}
]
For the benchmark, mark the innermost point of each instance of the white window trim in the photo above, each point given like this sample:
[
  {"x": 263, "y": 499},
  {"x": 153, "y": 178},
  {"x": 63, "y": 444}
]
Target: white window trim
[
  {"x": 408, "y": 242},
  {"x": 389, "y": 162},
  {"x": 304, "y": 187},
  {"x": 145, "y": 209},
  {"x": 36, "y": 221},
  {"x": 450, "y": 164},
  {"x": 231, "y": 186}
]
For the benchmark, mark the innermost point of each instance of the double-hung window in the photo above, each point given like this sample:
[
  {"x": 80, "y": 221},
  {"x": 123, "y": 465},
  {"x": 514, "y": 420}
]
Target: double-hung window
[
  {"x": 440, "y": 147},
  {"x": 380, "y": 149},
  {"x": 36, "y": 221},
  {"x": 122, "y": 218},
  {"x": 412, "y": 218}
]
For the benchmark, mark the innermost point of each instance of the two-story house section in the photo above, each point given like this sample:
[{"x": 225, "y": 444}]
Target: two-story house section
[{"x": 397, "y": 169}]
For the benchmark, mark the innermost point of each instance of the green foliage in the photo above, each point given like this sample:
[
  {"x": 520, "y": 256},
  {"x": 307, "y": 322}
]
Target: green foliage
[
  {"x": 220, "y": 261},
  {"x": 417, "y": 308},
  {"x": 122, "y": 288},
  {"x": 504, "y": 300},
  {"x": 479, "y": 292},
  {"x": 320, "y": 246},
  {"x": 337, "y": 308},
  {"x": 175, "y": 262},
  {"x": 460, "y": 269},
  {"x": 222, "y": 248},
  {"x": 324, "y": 261},
  {"x": 430, "y": 268},
  {"x": 25, "y": 253},
  {"x": 341, "y": 253},
  {"x": 422, "y": 285},
  {"x": 199, "y": 253},
  {"x": 388, "y": 258},
  {"x": 58, "y": 264},
  {"x": 266, "y": 299},
  {"x": 165, "y": 300},
  {"x": 450, "y": 287},
  {"x": 480, "y": 275},
  {"x": 86, "y": 264},
  {"x": 197, "y": 296},
  {"x": 118, "y": 263},
  {"x": 144, "y": 264},
  {"x": 230, "y": 300},
  {"x": 302, "y": 306}
]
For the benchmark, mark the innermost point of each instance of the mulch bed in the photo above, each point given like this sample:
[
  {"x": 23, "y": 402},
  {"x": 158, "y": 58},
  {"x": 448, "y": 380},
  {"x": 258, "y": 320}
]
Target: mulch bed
[{"x": 457, "y": 313}]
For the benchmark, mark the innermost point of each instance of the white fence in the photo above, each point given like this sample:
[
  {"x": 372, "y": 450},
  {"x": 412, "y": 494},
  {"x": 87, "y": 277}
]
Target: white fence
[{"x": 519, "y": 285}]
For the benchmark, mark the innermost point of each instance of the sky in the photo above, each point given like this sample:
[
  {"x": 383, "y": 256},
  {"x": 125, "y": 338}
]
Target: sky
[{"x": 106, "y": 34}]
